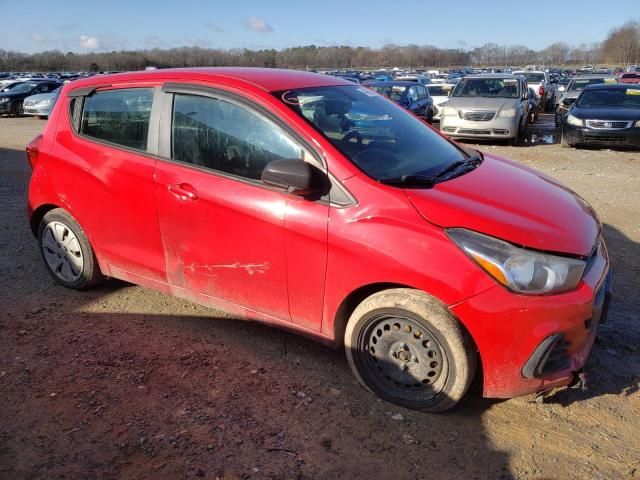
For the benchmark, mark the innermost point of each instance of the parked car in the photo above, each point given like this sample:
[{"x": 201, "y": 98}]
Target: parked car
[
  {"x": 545, "y": 88},
  {"x": 491, "y": 105},
  {"x": 11, "y": 102},
  {"x": 410, "y": 95},
  {"x": 418, "y": 78},
  {"x": 629, "y": 78},
  {"x": 573, "y": 90},
  {"x": 40, "y": 105},
  {"x": 440, "y": 95},
  {"x": 604, "y": 115},
  {"x": 426, "y": 260}
]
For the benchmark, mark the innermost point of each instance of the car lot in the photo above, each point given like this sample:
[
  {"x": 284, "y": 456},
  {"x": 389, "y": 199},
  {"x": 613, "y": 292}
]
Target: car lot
[{"x": 122, "y": 381}]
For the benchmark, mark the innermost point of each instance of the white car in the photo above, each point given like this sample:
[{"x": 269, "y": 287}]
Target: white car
[
  {"x": 546, "y": 90},
  {"x": 440, "y": 94}
]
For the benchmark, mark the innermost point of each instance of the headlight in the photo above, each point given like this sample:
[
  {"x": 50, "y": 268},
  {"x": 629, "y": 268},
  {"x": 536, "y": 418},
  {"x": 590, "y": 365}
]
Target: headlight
[
  {"x": 449, "y": 111},
  {"x": 508, "y": 112},
  {"x": 637, "y": 124},
  {"x": 575, "y": 121},
  {"x": 519, "y": 269},
  {"x": 4, "y": 100}
]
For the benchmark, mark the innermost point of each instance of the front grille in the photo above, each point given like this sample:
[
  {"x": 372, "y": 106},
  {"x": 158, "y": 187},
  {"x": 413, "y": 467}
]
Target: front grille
[
  {"x": 608, "y": 124},
  {"x": 478, "y": 116},
  {"x": 475, "y": 131},
  {"x": 605, "y": 139}
]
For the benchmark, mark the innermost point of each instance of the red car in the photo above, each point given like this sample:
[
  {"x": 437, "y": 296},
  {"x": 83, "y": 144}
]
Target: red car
[
  {"x": 629, "y": 78},
  {"x": 317, "y": 205}
]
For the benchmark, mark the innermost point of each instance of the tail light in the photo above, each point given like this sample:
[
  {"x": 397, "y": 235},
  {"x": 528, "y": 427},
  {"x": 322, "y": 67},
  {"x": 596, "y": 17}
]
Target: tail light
[
  {"x": 541, "y": 90},
  {"x": 33, "y": 149}
]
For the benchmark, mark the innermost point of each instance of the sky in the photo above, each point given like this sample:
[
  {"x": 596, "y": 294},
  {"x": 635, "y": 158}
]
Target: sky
[{"x": 84, "y": 26}]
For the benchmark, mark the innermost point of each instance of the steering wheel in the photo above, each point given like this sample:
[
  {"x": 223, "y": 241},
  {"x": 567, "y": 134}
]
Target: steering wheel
[{"x": 351, "y": 135}]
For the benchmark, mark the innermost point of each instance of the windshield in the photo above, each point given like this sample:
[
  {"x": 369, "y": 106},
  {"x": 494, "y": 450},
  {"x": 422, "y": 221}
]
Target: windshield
[
  {"x": 533, "y": 77},
  {"x": 439, "y": 90},
  {"x": 619, "y": 97},
  {"x": 22, "y": 87},
  {"x": 487, "y": 87},
  {"x": 577, "y": 85},
  {"x": 394, "y": 92},
  {"x": 381, "y": 138}
]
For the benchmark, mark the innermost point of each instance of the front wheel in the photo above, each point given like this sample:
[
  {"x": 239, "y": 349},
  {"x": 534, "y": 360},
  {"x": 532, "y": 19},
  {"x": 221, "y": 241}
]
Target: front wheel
[
  {"x": 17, "y": 109},
  {"x": 407, "y": 348},
  {"x": 66, "y": 251}
]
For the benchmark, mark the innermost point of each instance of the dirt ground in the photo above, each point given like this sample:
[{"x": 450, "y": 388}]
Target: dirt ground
[{"x": 123, "y": 382}]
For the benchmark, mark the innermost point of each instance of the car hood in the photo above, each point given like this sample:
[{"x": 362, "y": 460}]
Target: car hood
[
  {"x": 481, "y": 103},
  {"x": 571, "y": 94},
  {"x": 510, "y": 201},
  {"x": 40, "y": 96},
  {"x": 627, "y": 114},
  {"x": 438, "y": 99}
]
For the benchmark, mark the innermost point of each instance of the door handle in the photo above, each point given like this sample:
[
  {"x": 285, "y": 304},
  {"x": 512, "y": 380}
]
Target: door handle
[{"x": 183, "y": 191}]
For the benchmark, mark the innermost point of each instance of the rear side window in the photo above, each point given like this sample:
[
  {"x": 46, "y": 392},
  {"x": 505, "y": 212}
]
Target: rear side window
[
  {"x": 118, "y": 116},
  {"x": 226, "y": 137}
]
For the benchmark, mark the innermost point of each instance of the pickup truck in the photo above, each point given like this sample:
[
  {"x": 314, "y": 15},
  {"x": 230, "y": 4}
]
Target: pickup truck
[{"x": 545, "y": 88}]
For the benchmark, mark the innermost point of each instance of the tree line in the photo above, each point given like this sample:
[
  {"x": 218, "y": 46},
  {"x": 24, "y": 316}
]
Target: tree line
[{"x": 621, "y": 47}]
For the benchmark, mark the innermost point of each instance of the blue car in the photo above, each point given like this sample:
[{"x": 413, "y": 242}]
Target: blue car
[{"x": 411, "y": 95}]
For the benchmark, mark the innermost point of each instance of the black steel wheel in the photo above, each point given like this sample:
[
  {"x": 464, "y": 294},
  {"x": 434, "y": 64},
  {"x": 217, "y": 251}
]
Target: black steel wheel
[{"x": 402, "y": 356}]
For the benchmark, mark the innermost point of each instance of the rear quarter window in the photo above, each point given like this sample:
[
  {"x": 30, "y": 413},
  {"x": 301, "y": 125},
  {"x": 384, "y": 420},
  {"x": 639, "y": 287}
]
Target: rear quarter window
[{"x": 118, "y": 116}]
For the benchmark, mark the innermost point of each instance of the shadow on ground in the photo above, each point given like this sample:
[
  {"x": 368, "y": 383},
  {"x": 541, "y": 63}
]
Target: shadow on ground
[{"x": 122, "y": 382}]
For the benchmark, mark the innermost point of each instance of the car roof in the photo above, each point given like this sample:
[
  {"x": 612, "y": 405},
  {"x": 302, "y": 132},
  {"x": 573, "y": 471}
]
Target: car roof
[
  {"x": 591, "y": 76},
  {"x": 492, "y": 75},
  {"x": 612, "y": 86},
  {"x": 391, "y": 83},
  {"x": 269, "y": 79}
]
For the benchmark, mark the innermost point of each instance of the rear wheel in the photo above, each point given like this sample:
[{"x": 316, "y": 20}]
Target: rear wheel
[
  {"x": 66, "y": 251},
  {"x": 406, "y": 347}
]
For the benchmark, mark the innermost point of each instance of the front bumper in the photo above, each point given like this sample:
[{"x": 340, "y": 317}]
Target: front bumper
[
  {"x": 512, "y": 332},
  {"x": 37, "y": 110},
  {"x": 599, "y": 137},
  {"x": 499, "y": 127}
]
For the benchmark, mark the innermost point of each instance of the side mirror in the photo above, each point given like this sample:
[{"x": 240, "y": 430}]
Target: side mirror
[{"x": 296, "y": 177}]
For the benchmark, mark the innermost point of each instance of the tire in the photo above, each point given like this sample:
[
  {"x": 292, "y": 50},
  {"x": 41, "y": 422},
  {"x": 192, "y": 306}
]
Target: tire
[
  {"x": 563, "y": 141},
  {"x": 66, "y": 251},
  {"x": 17, "y": 109},
  {"x": 518, "y": 139},
  {"x": 424, "y": 359},
  {"x": 558, "y": 119}
]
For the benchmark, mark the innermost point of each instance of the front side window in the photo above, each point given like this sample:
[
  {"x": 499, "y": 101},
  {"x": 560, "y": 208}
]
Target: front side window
[
  {"x": 382, "y": 139},
  {"x": 226, "y": 137},
  {"x": 119, "y": 116},
  {"x": 487, "y": 87}
]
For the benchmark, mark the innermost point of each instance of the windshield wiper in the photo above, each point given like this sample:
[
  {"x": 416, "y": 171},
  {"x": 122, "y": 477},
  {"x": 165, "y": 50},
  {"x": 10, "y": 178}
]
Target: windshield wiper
[
  {"x": 410, "y": 180},
  {"x": 417, "y": 180}
]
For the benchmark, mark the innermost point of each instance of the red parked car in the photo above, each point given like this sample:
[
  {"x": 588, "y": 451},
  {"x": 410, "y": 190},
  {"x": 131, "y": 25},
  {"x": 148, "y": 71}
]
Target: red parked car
[
  {"x": 317, "y": 205},
  {"x": 629, "y": 78}
]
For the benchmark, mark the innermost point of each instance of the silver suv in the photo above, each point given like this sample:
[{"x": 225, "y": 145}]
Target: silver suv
[{"x": 488, "y": 106}]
